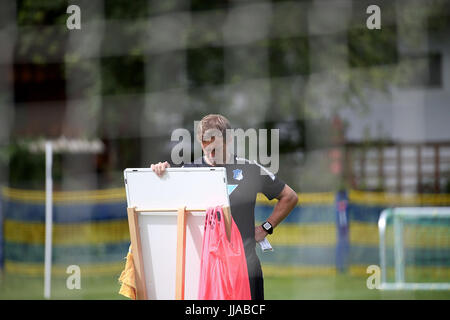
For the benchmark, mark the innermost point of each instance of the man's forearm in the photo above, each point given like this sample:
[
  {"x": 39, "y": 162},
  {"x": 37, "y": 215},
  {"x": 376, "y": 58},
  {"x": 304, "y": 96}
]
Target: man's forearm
[{"x": 282, "y": 209}]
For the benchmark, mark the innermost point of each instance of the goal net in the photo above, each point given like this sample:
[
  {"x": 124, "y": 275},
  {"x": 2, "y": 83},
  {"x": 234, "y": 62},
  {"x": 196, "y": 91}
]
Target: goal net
[{"x": 415, "y": 248}]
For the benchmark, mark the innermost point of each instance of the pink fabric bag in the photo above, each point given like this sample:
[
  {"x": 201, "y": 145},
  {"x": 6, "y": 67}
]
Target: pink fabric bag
[{"x": 223, "y": 271}]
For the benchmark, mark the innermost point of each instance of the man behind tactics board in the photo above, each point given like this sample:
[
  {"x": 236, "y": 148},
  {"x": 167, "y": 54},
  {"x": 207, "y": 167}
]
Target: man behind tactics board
[{"x": 245, "y": 179}]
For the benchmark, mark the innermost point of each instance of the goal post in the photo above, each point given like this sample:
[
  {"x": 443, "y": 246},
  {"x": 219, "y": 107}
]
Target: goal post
[
  {"x": 50, "y": 147},
  {"x": 414, "y": 248}
]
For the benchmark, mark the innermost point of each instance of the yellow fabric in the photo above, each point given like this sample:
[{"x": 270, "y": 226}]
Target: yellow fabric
[{"x": 128, "y": 287}]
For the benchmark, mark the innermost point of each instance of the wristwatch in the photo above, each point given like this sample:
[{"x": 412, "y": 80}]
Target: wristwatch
[{"x": 268, "y": 227}]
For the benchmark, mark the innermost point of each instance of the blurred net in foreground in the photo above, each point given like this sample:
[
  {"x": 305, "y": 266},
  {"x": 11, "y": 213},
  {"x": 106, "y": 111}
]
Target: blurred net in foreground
[
  {"x": 415, "y": 248},
  {"x": 90, "y": 230}
]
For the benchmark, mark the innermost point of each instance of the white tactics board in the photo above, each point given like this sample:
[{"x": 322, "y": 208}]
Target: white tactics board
[{"x": 195, "y": 188}]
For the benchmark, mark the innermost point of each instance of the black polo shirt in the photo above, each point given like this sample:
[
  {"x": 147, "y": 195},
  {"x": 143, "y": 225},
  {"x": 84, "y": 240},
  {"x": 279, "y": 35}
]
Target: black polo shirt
[{"x": 244, "y": 182}]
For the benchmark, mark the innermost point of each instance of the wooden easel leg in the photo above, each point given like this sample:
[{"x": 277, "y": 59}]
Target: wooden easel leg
[
  {"x": 141, "y": 290},
  {"x": 227, "y": 214},
  {"x": 181, "y": 254}
]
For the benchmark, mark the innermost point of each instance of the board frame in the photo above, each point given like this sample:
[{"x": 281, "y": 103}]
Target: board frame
[{"x": 133, "y": 213}]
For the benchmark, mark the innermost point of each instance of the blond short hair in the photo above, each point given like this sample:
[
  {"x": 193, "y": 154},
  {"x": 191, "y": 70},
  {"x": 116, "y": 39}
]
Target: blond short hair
[{"x": 212, "y": 121}]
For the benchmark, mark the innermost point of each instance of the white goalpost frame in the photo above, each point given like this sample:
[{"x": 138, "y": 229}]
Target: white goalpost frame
[
  {"x": 61, "y": 145},
  {"x": 399, "y": 257},
  {"x": 48, "y": 218}
]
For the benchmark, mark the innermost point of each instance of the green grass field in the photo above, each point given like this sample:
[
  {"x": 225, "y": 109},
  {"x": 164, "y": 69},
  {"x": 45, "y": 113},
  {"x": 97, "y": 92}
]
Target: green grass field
[{"x": 277, "y": 288}]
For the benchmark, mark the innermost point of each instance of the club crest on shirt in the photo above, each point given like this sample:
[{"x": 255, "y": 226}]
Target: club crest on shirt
[{"x": 237, "y": 174}]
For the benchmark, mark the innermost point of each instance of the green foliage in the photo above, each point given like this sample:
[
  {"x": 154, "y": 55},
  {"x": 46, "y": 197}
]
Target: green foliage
[
  {"x": 283, "y": 59},
  {"x": 167, "y": 6},
  {"x": 122, "y": 75},
  {"x": 205, "y": 66},
  {"x": 208, "y": 5},
  {"x": 41, "y": 12},
  {"x": 368, "y": 48},
  {"x": 289, "y": 56},
  {"x": 125, "y": 9},
  {"x": 27, "y": 169}
]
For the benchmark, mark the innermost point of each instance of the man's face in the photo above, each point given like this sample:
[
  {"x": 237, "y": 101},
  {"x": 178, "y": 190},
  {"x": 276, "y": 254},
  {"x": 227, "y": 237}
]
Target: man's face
[{"x": 214, "y": 149}]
